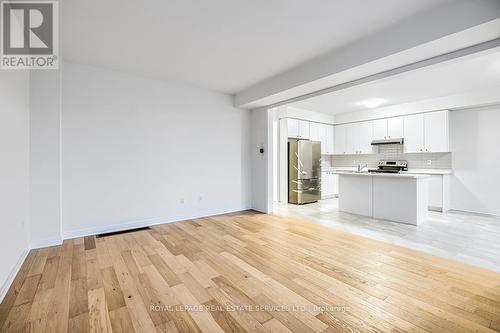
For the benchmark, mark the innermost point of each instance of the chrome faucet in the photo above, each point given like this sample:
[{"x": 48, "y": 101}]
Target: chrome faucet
[{"x": 360, "y": 168}]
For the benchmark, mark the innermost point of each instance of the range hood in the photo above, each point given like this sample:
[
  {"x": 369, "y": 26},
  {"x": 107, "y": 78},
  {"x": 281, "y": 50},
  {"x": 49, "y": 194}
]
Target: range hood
[{"x": 388, "y": 142}]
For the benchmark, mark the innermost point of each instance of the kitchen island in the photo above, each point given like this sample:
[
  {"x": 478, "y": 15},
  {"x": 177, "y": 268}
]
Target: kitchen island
[{"x": 396, "y": 197}]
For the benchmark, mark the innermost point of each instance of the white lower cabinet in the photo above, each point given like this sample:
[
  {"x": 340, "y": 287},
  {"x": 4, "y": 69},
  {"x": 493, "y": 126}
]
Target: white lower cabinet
[
  {"x": 439, "y": 193},
  {"x": 329, "y": 185}
]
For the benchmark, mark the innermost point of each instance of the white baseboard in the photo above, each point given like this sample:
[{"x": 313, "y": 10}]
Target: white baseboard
[
  {"x": 6, "y": 285},
  {"x": 39, "y": 243},
  {"x": 261, "y": 210},
  {"x": 144, "y": 223},
  {"x": 474, "y": 212}
]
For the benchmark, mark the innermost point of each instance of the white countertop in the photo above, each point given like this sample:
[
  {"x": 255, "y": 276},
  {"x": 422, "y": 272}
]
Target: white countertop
[
  {"x": 374, "y": 174},
  {"x": 410, "y": 171},
  {"x": 430, "y": 171}
]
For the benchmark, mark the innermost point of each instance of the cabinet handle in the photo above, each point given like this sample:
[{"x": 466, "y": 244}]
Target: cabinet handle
[{"x": 426, "y": 150}]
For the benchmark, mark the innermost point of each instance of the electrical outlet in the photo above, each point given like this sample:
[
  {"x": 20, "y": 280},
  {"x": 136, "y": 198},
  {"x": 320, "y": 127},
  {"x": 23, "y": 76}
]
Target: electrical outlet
[
  {"x": 429, "y": 162},
  {"x": 181, "y": 200},
  {"x": 200, "y": 198}
]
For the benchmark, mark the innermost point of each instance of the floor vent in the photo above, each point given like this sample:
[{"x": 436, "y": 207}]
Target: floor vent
[{"x": 121, "y": 232}]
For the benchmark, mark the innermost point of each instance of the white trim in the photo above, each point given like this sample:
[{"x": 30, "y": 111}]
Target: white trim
[
  {"x": 474, "y": 212},
  {"x": 144, "y": 223},
  {"x": 13, "y": 274},
  {"x": 36, "y": 244}
]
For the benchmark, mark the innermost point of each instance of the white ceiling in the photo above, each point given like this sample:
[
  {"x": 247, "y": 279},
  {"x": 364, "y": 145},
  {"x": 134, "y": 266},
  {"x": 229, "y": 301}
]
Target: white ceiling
[
  {"x": 470, "y": 74},
  {"x": 223, "y": 45}
]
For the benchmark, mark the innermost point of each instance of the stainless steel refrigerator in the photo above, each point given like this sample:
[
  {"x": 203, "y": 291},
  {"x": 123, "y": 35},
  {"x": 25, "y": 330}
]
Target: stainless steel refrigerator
[{"x": 304, "y": 171}]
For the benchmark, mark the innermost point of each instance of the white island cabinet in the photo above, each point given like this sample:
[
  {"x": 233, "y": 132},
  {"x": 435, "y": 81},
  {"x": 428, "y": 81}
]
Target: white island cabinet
[{"x": 395, "y": 197}]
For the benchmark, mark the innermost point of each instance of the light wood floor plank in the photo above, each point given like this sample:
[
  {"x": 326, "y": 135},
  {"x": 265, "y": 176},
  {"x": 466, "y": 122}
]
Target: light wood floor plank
[{"x": 246, "y": 272}]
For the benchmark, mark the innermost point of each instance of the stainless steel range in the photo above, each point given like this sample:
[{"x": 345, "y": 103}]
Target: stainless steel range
[{"x": 385, "y": 166}]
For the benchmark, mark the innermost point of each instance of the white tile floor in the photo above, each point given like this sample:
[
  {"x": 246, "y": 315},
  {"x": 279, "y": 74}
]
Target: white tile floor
[{"x": 466, "y": 237}]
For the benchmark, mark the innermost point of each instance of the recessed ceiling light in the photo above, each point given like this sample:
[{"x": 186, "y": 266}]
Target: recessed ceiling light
[{"x": 372, "y": 103}]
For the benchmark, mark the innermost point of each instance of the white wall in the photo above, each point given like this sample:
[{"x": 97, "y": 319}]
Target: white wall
[
  {"x": 475, "y": 136},
  {"x": 134, "y": 148},
  {"x": 45, "y": 117},
  {"x": 14, "y": 173},
  {"x": 262, "y": 163}
]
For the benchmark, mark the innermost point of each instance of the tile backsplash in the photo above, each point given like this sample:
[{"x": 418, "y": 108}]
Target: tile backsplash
[{"x": 392, "y": 152}]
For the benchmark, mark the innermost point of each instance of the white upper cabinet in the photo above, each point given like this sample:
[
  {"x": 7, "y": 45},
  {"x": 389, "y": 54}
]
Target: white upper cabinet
[
  {"x": 436, "y": 129},
  {"x": 316, "y": 132},
  {"x": 293, "y": 128},
  {"x": 380, "y": 129},
  {"x": 340, "y": 136},
  {"x": 395, "y": 128},
  {"x": 423, "y": 132},
  {"x": 414, "y": 133},
  {"x": 303, "y": 129},
  {"x": 298, "y": 128},
  {"x": 427, "y": 132},
  {"x": 390, "y": 128},
  {"x": 352, "y": 138},
  {"x": 365, "y": 129},
  {"x": 324, "y": 134},
  {"x": 359, "y": 137},
  {"x": 330, "y": 139}
]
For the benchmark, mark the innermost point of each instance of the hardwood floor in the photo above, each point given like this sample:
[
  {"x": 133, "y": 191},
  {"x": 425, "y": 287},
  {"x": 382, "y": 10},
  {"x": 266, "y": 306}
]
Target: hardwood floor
[{"x": 246, "y": 272}]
